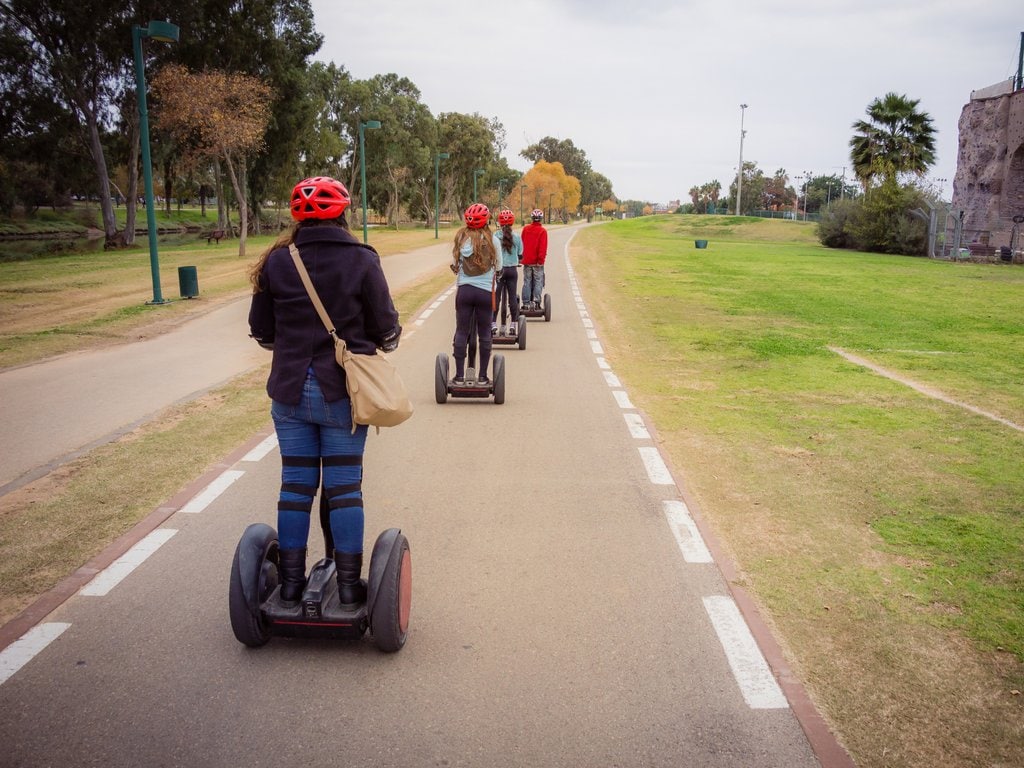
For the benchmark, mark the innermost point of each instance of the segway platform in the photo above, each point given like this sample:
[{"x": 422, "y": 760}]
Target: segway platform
[
  {"x": 258, "y": 613},
  {"x": 470, "y": 386},
  {"x": 506, "y": 338},
  {"x": 534, "y": 309}
]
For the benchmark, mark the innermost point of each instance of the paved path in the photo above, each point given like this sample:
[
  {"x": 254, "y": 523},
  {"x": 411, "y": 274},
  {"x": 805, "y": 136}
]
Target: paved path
[
  {"x": 566, "y": 610},
  {"x": 61, "y": 408}
]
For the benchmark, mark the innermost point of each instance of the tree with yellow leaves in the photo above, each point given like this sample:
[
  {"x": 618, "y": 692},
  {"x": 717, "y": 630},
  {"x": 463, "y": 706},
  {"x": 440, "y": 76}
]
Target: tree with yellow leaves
[
  {"x": 215, "y": 114},
  {"x": 550, "y": 189}
]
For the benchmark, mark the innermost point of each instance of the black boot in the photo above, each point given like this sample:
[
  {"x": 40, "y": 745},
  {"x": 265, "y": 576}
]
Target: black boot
[
  {"x": 293, "y": 574},
  {"x": 351, "y": 589}
]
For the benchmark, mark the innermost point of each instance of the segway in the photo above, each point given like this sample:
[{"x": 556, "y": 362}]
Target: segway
[
  {"x": 471, "y": 386},
  {"x": 535, "y": 309},
  {"x": 258, "y": 613},
  {"x": 503, "y": 335}
]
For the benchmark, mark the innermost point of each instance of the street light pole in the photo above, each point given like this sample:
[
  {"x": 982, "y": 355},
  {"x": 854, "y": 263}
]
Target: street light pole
[
  {"x": 739, "y": 174},
  {"x": 477, "y": 172},
  {"x": 807, "y": 178},
  {"x": 437, "y": 188},
  {"x": 371, "y": 124},
  {"x": 165, "y": 32}
]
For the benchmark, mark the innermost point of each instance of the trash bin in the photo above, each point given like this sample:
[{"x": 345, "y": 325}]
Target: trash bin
[
  {"x": 188, "y": 282},
  {"x": 701, "y": 243},
  {"x": 1005, "y": 254}
]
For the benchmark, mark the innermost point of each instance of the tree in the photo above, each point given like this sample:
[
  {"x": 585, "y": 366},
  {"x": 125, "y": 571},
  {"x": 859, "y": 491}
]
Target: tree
[
  {"x": 896, "y": 139},
  {"x": 218, "y": 114},
  {"x": 593, "y": 186},
  {"x": 550, "y": 189},
  {"x": 77, "y": 56}
]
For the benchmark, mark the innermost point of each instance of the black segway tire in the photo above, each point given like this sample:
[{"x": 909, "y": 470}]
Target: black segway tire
[
  {"x": 441, "y": 378},
  {"x": 499, "y": 379},
  {"x": 391, "y": 586},
  {"x": 254, "y": 576},
  {"x": 522, "y": 331},
  {"x": 547, "y": 308}
]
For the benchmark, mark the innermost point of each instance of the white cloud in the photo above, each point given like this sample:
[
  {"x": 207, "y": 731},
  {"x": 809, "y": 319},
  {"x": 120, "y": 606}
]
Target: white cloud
[{"x": 651, "y": 91}]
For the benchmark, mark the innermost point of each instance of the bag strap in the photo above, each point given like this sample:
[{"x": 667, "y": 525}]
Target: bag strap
[{"x": 313, "y": 295}]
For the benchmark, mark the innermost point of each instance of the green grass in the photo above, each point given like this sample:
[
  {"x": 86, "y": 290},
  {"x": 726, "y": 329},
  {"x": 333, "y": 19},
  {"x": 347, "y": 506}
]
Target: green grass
[{"x": 872, "y": 522}]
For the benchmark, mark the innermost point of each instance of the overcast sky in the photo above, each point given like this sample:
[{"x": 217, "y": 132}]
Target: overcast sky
[{"x": 651, "y": 90}]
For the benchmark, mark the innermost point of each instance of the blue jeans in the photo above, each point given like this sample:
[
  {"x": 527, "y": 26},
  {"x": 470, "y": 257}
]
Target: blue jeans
[
  {"x": 312, "y": 434},
  {"x": 533, "y": 283}
]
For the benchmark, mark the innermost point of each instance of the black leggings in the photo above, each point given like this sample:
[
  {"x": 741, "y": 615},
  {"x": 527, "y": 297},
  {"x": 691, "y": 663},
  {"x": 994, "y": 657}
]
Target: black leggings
[
  {"x": 508, "y": 282},
  {"x": 472, "y": 305}
]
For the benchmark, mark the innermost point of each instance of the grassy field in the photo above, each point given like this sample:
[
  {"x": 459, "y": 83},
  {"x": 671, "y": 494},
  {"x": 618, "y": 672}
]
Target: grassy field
[
  {"x": 882, "y": 530},
  {"x": 879, "y": 528}
]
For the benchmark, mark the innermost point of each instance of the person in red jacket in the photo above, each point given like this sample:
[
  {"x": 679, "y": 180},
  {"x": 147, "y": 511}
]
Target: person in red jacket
[{"x": 535, "y": 252}]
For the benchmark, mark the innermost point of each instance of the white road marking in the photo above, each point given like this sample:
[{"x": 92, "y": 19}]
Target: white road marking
[
  {"x": 636, "y": 426},
  {"x": 114, "y": 573},
  {"x": 754, "y": 677},
  {"x": 25, "y": 648},
  {"x": 261, "y": 450},
  {"x": 603, "y": 364},
  {"x": 206, "y": 497},
  {"x": 591, "y": 333},
  {"x": 426, "y": 313},
  {"x": 691, "y": 543},
  {"x": 655, "y": 466},
  {"x": 612, "y": 379},
  {"x": 595, "y": 347},
  {"x": 622, "y": 398}
]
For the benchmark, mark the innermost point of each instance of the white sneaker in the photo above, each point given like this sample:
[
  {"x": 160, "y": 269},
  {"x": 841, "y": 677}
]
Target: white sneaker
[{"x": 513, "y": 330}]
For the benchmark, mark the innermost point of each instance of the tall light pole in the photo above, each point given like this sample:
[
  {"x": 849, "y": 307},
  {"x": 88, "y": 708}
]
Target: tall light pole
[
  {"x": 371, "y": 124},
  {"x": 477, "y": 172},
  {"x": 437, "y": 188},
  {"x": 165, "y": 32},
  {"x": 739, "y": 173},
  {"x": 807, "y": 178},
  {"x": 521, "y": 188}
]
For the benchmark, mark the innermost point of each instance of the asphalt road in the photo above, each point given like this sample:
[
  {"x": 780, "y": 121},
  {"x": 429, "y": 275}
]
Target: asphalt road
[{"x": 556, "y": 621}]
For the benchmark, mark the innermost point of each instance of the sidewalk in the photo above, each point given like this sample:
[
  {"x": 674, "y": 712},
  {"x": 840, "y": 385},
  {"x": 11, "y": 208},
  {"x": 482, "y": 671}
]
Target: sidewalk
[{"x": 54, "y": 411}]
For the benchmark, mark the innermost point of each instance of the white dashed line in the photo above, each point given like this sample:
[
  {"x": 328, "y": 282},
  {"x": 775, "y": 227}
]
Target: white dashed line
[
  {"x": 636, "y": 425},
  {"x": 202, "y": 500},
  {"x": 622, "y": 398},
  {"x": 603, "y": 364},
  {"x": 25, "y": 648},
  {"x": 611, "y": 379},
  {"x": 755, "y": 679},
  {"x": 691, "y": 543},
  {"x": 595, "y": 347},
  {"x": 655, "y": 466},
  {"x": 261, "y": 450},
  {"x": 112, "y": 575}
]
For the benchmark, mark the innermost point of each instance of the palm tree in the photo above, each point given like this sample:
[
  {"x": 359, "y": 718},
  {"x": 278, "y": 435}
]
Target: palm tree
[{"x": 896, "y": 139}]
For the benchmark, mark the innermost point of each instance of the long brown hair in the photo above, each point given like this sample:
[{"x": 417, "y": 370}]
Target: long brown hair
[
  {"x": 483, "y": 241},
  {"x": 287, "y": 237},
  {"x": 506, "y": 238}
]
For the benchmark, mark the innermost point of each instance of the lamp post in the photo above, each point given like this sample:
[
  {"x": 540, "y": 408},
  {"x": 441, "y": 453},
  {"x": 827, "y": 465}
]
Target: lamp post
[
  {"x": 807, "y": 177},
  {"x": 521, "y": 188},
  {"x": 371, "y": 124},
  {"x": 165, "y": 32},
  {"x": 477, "y": 172},
  {"x": 739, "y": 175},
  {"x": 437, "y": 188}
]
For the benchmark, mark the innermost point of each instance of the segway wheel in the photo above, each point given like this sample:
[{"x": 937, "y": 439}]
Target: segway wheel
[
  {"x": 522, "y": 331},
  {"x": 547, "y": 308},
  {"x": 499, "y": 379},
  {"x": 389, "y": 620},
  {"x": 254, "y": 577},
  {"x": 441, "y": 378}
]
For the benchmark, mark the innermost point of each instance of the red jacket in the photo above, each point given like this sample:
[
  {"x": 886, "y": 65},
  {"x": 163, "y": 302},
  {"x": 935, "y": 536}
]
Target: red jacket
[{"x": 535, "y": 244}]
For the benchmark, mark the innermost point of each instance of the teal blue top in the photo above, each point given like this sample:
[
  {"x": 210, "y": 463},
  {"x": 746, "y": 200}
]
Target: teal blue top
[
  {"x": 513, "y": 257},
  {"x": 484, "y": 281}
]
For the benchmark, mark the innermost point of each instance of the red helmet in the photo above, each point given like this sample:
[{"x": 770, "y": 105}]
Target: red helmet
[
  {"x": 320, "y": 197},
  {"x": 477, "y": 216},
  {"x": 506, "y": 217},
  {"x": 537, "y": 214}
]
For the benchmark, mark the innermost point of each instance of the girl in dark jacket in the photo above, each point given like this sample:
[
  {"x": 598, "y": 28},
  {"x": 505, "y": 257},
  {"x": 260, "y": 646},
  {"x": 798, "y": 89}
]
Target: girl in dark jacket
[{"x": 309, "y": 402}]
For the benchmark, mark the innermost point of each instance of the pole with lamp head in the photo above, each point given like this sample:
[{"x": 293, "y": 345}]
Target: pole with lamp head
[
  {"x": 437, "y": 188},
  {"x": 739, "y": 175},
  {"x": 165, "y": 32},
  {"x": 372, "y": 125}
]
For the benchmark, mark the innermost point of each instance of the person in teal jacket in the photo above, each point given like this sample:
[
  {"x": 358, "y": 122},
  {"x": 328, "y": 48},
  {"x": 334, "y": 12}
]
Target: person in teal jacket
[{"x": 510, "y": 246}]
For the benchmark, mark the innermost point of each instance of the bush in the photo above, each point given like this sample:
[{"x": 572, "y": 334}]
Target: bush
[{"x": 880, "y": 222}]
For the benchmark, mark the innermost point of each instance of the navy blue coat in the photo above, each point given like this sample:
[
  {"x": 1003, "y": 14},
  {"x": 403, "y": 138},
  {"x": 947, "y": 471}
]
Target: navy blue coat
[{"x": 351, "y": 284}]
